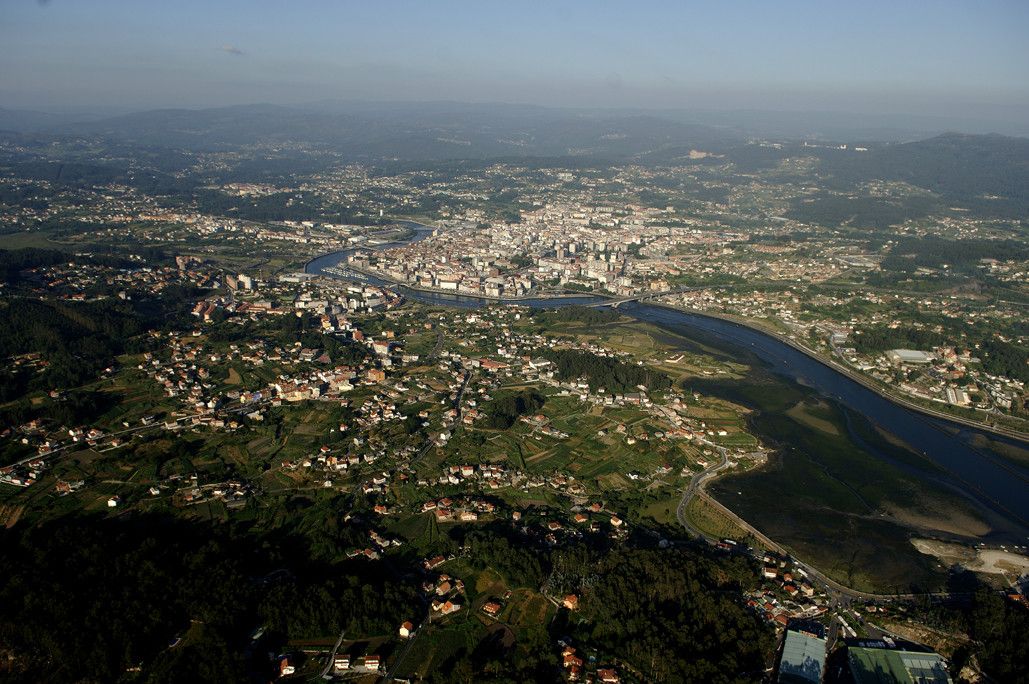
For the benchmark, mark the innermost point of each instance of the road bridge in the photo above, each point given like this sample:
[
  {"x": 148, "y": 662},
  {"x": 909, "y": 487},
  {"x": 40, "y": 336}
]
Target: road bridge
[{"x": 615, "y": 302}]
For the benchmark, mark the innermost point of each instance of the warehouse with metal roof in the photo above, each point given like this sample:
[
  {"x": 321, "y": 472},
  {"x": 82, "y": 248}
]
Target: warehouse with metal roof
[
  {"x": 896, "y": 666},
  {"x": 803, "y": 658}
]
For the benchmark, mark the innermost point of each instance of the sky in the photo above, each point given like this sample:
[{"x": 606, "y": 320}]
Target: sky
[{"x": 961, "y": 58}]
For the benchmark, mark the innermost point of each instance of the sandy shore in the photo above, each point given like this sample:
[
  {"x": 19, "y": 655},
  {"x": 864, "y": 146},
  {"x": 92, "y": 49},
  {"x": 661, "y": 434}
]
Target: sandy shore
[{"x": 992, "y": 561}]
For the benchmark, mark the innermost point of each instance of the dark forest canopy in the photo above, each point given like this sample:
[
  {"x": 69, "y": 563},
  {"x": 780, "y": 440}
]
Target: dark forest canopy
[
  {"x": 576, "y": 314},
  {"x": 76, "y": 340},
  {"x": 909, "y": 253},
  {"x": 14, "y": 261},
  {"x": 860, "y": 211},
  {"x": 76, "y": 174},
  {"x": 503, "y": 411},
  {"x": 997, "y": 357},
  {"x": 79, "y": 339},
  {"x": 279, "y": 206},
  {"x": 139, "y": 583},
  {"x": 988, "y": 173},
  {"x": 605, "y": 372},
  {"x": 670, "y": 615}
]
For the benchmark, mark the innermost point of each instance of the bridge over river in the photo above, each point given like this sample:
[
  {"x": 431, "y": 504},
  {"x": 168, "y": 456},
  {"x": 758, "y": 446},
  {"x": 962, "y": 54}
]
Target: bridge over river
[{"x": 615, "y": 302}]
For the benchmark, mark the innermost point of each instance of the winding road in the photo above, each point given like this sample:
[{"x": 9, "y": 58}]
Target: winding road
[{"x": 833, "y": 588}]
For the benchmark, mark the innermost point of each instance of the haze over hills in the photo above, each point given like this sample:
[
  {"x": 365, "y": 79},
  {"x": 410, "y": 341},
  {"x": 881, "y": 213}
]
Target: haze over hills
[
  {"x": 989, "y": 172},
  {"x": 439, "y": 130},
  {"x": 843, "y": 125},
  {"x": 484, "y": 129}
]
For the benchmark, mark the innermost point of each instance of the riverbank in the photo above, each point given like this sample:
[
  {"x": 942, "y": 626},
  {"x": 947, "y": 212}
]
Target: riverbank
[
  {"x": 958, "y": 421},
  {"x": 533, "y": 296},
  {"x": 960, "y": 447},
  {"x": 859, "y": 378},
  {"x": 402, "y": 238},
  {"x": 955, "y": 457}
]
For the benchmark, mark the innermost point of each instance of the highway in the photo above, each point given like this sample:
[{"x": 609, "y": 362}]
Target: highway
[{"x": 691, "y": 490}]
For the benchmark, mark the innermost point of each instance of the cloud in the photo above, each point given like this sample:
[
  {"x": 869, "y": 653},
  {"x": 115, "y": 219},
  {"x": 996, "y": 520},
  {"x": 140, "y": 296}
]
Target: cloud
[{"x": 232, "y": 50}]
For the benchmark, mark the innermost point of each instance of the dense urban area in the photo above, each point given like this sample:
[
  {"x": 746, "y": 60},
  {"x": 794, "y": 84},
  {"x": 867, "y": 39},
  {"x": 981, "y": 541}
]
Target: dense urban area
[{"x": 285, "y": 409}]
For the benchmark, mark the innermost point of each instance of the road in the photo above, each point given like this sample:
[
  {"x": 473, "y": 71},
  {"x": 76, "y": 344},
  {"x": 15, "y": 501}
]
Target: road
[
  {"x": 691, "y": 490},
  {"x": 460, "y": 395},
  {"x": 332, "y": 657},
  {"x": 214, "y": 413},
  {"x": 434, "y": 354},
  {"x": 857, "y": 376},
  {"x": 838, "y": 593},
  {"x": 402, "y": 655}
]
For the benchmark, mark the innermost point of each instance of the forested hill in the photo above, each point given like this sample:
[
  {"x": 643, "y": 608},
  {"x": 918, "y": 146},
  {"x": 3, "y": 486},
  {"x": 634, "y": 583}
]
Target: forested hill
[
  {"x": 989, "y": 173},
  {"x": 141, "y": 584},
  {"x": 986, "y": 174},
  {"x": 426, "y": 131}
]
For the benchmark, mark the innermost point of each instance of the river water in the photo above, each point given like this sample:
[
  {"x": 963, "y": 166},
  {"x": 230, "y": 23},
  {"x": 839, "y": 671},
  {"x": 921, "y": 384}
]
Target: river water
[{"x": 978, "y": 472}]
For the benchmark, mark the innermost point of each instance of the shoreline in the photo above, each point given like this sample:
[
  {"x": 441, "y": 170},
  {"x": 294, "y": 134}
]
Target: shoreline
[
  {"x": 945, "y": 422},
  {"x": 458, "y": 293},
  {"x": 959, "y": 421},
  {"x": 1021, "y": 437}
]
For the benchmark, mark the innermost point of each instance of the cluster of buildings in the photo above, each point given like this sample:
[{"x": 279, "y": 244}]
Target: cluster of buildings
[
  {"x": 24, "y": 473},
  {"x": 803, "y": 655},
  {"x": 82, "y": 280},
  {"x": 947, "y": 374}
]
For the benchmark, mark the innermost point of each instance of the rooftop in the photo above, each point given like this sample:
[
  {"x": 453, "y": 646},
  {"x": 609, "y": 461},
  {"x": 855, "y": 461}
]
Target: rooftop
[
  {"x": 895, "y": 666},
  {"x": 803, "y": 659}
]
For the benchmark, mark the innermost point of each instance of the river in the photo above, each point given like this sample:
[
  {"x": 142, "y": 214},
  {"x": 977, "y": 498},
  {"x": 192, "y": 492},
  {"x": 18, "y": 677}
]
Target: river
[{"x": 975, "y": 470}]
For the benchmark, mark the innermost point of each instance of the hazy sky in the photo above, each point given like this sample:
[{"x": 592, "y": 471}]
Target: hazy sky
[{"x": 965, "y": 58}]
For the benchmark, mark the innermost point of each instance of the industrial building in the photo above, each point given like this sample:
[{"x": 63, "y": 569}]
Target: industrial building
[
  {"x": 880, "y": 662},
  {"x": 803, "y": 655}
]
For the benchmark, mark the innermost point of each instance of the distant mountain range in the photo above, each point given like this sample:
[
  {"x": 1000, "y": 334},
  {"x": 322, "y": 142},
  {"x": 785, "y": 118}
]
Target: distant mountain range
[
  {"x": 953, "y": 165},
  {"x": 444, "y": 130},
  {"x": 414, "y": 132},
  {"x": 29, "y": 121},
  {"x": 986, "y": 172}
]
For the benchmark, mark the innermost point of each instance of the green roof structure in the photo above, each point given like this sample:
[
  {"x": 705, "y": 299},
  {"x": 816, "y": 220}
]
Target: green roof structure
[{"x": 896, "y": 666}]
